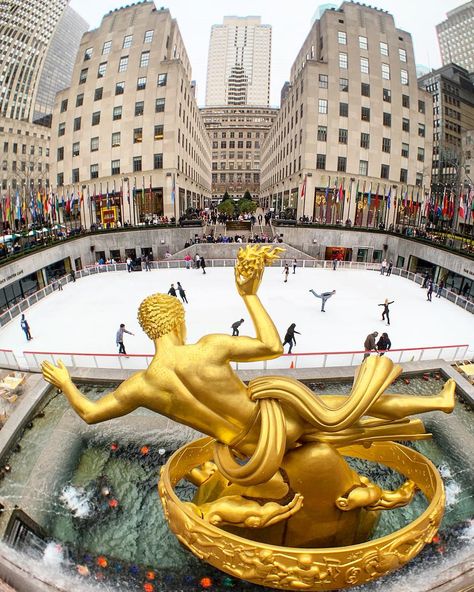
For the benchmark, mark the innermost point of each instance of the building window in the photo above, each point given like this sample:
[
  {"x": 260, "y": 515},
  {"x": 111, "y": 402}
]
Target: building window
[
  {"x": 94, "y": 171},
  {"x": 386, "y": 71},
  {"x": 148, "y": 37},
  {"x": 387, "y": 119},
  {"x": 117, "y": 113},
  {"x": 63, "y": 105},
  {"x": 421, "y": 154},
  {"x": 75, "y": 149},
  {"x": 61, "y": 129},
  {"x": 59, "y": 180},
  {"x": 83, "y": 75},
  {"x": 404, "y": 76},
  {"x": 344, "y": 109},
  {"x": 139, "y": 108},
  {"x": 323, "y": 81},
  {"x": 75, "y": 176},
  {"x": 115, "y": 167},
  {"x": 386, "y": 145},
  {"x": 88, "y": 53},
  {"x": 421, "y": 130},
  {"x": 342, "y": 136},
  {"x": 344, "y": 84},
  {"x": 106, "y": 47},
  {"x": 384, "y": 171},
  {"x": 162, "y": 78},
  {"x": 363, "y": 167},
  {"x": 387, "y": 95},
  {"x": 120, "y": 88},
  {"x": 342, "y": 37},
  {"x": 101, "y": 70},
  {"x": 60, "y": 154},
  {"x": 322, "y": 133},
  {"x": 321, "y": 161},
  {"x": 419, "y": 178},
  {"x": 96, "y": 118},
  {"x": 364, "y": 65},
  {"x": 158, "y": 161},
  {"x": 79, "y": 100},
  {"x": 364, "y": 140},
  {"x": 127, "y": 41},
  {"x": 365, "y": 89},
  {"x": 159, "y": 132},
  {"x": 115, "y": 139},
  {"x": 363, "y": 42},
  {"x": 98, "y": 94},
  {"x": 322, "y": 106},
  {"x": 137, "y": 164},
  {"x": 403, "y": 175},
  {"x": 421, "y": 106},
  {"x": 144, "y": 59},
  {"x": 123, "y": 64},
  {"x": 341, "y": 164},
  {"x": 383, "y": 48},
  {"x": 94, "y": 144},
  {"x": 403, "y": 55},
  {"x": 141, "y": 83},
  {"x": 406, "y": 101},
  {"x": 343, "y": 60},
  {"x": 77, "y": 124},
  {"x": 405, "y": 124},
  {"x": 365, "y": 113},
  {"x": 405, "y": 149},
  {"x": 137, "y": 135}
]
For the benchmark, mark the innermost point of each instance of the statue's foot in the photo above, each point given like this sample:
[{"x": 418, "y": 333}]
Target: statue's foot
[{"x": 448, "y": 397}]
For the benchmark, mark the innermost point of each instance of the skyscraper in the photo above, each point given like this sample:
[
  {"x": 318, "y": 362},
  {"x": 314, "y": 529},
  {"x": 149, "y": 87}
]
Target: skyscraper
[
  {"x": 455, "y": 37},
  {"x": 238, "y": 70}
]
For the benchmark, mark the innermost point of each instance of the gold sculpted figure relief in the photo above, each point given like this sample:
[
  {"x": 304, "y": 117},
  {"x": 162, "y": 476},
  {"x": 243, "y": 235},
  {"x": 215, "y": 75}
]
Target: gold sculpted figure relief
[{"x": 276, "y": 501}]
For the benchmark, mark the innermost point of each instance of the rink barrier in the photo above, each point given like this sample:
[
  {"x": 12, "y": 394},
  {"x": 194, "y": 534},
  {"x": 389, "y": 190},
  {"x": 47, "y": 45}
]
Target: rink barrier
[
  {"x": 91, "y": 270},
  {"x": 31, "y": 360}
]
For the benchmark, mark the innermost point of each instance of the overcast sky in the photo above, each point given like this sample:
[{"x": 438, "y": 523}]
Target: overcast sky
[{"x": 290, "y": 22}]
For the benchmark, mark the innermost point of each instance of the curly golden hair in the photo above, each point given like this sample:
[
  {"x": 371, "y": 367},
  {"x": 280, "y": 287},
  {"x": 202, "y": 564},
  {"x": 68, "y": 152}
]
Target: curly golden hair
[{"x": 159, "y": 314}]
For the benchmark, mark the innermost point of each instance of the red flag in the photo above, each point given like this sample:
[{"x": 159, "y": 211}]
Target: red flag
[
  {"x": 462, "y": 212},
  {"x": 303, "y": 188}
]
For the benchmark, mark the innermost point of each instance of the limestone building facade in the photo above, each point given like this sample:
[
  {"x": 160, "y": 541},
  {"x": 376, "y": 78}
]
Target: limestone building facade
[{"x": 455, "y": 37}]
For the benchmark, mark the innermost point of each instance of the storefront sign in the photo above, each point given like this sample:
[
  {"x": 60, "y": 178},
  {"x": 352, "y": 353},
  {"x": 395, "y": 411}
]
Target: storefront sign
[{"x": 11, "y": 276}]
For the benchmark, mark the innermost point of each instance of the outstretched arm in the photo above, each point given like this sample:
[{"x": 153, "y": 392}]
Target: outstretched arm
[{"x": 115, "y": 404}]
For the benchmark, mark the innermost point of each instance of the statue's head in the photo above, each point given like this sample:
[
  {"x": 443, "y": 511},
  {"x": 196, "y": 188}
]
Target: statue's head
[{"x": 160, "y": 314}]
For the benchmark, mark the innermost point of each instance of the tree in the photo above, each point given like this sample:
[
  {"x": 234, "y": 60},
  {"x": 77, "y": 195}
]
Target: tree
[
  {"x": 247, "y": 195},
  {"x": 226, "y": 207},
  {"x": 246, "y": 206},
  {"x": 226, "y": 196}
]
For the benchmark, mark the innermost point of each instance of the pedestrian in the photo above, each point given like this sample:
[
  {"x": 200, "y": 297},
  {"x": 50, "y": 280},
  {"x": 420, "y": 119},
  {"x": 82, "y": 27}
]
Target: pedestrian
[
  {"x": 386, "y": 311},
  {"x": 290, "y": 337},
  {"x": 389, "y": 268},
  {"x": 182, "y": 293},
  {"x": 369, "y": 343},
  {"x": 440, "y": 289},
  {"x": 383, "y": 269},
  {"x": 72, "y": 275},
  {"x": 430, "y": 290},
  {"x": 334, "y": 264},
  {"x": 383, "y": 344},
  {"x": 147, "y": 263},
  {"x": 425, "y": 280},
  {"x": 60, "y": 285},
  {"x": 26, "y": 328},
  {"x": 172, "y": 291},
  {"x": 203, "y": 264},
  {"x": 129, "y": 264},
  {"x": 187, "y": 261},
  {"x": 119, "y": 338},
  {"x": 295, "y": 263},
  {"x": 286, "y": 271},
  {"x": 324, "y": 297},
  {"x": 235, "y": 327},
  {"x": 197, "y": 261}
]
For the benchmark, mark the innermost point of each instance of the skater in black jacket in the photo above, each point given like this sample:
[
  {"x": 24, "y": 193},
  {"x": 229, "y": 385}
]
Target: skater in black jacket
[
  {"x": 290, "y": 337},
  {"x": 386, "y": 311}
]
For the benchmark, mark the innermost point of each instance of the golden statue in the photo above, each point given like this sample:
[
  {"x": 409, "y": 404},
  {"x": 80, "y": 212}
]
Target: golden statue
[{"x": 276, "y": 502}]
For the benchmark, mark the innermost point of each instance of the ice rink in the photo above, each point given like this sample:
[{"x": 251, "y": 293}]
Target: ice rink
[{"x": 85, "y": 316}]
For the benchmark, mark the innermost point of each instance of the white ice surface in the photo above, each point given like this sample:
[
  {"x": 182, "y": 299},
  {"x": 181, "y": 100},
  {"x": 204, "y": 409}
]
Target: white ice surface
[{"x": 85, "y": 316}]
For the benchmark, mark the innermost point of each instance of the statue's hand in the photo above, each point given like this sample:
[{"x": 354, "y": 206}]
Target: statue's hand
[
  {"x": 248, "y": 286},
  {"x": 56, "y": 375}
]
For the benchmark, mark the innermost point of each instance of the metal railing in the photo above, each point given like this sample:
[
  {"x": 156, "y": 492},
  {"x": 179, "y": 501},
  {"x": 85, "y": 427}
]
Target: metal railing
[{"x": 31, "y": 360}]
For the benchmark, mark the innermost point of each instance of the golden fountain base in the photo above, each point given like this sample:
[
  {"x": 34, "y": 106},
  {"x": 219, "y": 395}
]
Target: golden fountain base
[{"x": 291, "y": 568}]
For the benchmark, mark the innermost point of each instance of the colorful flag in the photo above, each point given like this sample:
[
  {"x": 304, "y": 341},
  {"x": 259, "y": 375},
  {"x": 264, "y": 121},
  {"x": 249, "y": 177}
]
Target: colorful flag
[
  {"x": 303, "y": 188},
  {"x": 462, "y": 212},
  {"x": 389, "y": 194},
  {"x": 369, "y": 195},
  {"x": 340, "y": 196},
  {"x": 173, "y": 190}
]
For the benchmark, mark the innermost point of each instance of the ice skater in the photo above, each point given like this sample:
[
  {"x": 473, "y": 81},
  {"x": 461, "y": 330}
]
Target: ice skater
[
  {"x": 203, "y": 264},
  {"x": 389, "y": 268},
  {"x": 290, "y": 337},
  {"x": 26, "y": 328},
  {"x": 383, "y": 344},
  {"x": 383, "y": 269},
  {"x": 172, "y": 291},
  {"x": 430, "y": 290},
  {"x": 182, "y": 293},
  {"x": 295, "y": 263},
  {"x": 369, "y": 344},
  {"x": 439, "y": 292},
  {"x": 334, "y": 264},
  {"x": 235, "y": 327},
  {"x": 324, "y": 297},
  {"x": 119, "y": 338},
  {"x": 386, "y": 311},
  {"x": 286, "y": 271}
]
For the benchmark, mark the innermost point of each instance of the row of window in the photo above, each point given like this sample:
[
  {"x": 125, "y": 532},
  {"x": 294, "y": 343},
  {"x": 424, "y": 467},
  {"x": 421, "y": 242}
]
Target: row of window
[
  {"x": 24, "y": 166},
  {"x": 240, "y": 144},
  {"x": 127, "y": 42},
  {"x": 114, "y": 169},
  {"x": 235, "y": 177},
  {"x": 122, "y": 67},
  {"x": 364, "y": 68},
  {"x": 232, "y": 134},
  {"x": 24, "y": 149},
  {"x": 364, "y": 168},
  {"x": 364, "y": 44}
]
